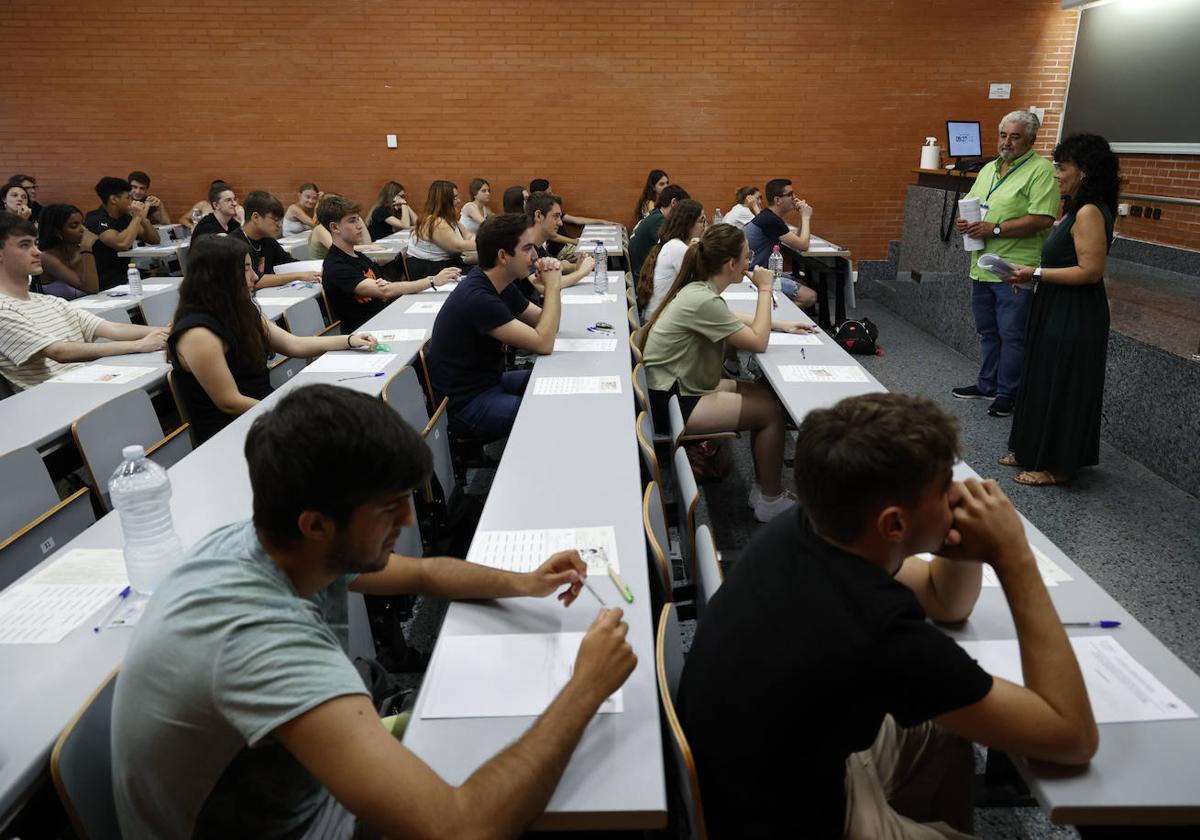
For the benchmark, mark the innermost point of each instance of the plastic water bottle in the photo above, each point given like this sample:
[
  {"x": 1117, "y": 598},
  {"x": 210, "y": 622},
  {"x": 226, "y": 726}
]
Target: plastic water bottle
[
  {"x": 600, "y": 275},
  {"x": 141, "y": 494},
  {"x": 717, "y": 217},
  {"x": 196, "y": 217},
  {"x": 775, "y": 264},
  {"x": 134, "y": 278}
]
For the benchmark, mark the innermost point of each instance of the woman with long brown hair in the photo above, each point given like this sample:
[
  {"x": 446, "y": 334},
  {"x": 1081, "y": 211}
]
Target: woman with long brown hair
[
  {"x": 658, "y": 272},
  {"x": 391, "y": 211},
  {"x": 438, "y": 239},
  {"x": 656, "y": 182},
  {"x": 220, "y": 341},
  {"x": 685, "y": 347}
]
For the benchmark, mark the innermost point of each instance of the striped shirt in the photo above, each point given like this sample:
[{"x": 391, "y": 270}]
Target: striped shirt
[{"x": 27, "y": 327}]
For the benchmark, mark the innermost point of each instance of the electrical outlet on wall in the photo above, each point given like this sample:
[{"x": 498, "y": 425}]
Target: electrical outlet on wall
[{"x": 1122, "y": 209}]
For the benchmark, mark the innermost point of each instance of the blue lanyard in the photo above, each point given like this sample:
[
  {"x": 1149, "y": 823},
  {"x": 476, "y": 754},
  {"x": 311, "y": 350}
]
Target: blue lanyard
[{"x": 996, "y": 186}]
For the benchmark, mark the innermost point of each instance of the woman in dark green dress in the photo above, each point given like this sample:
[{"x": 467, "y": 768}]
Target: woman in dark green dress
[{"x": 1056, "y": 426}]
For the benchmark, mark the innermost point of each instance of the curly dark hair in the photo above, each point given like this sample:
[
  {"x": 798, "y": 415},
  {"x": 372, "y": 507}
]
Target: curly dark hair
[{"x": 1101, "y": 169}]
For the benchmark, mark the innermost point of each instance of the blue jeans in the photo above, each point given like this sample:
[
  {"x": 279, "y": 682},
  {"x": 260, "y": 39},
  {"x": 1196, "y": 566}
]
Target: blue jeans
[
  {"x": 491, "y": 413},
  {"x": 1000, "y": 317}
]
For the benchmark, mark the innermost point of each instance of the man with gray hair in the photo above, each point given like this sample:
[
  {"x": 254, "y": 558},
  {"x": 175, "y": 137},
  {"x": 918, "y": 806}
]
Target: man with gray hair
[{"x": 1019, "y": 199}]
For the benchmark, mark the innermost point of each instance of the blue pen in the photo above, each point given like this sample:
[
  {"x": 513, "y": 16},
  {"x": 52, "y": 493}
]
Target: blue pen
[
  {"x": 1105, "y": 624},
  {"x": 802, "y": 354},
  {"x": 363, "y": 376},
  {"x": 120, "y": 600}
]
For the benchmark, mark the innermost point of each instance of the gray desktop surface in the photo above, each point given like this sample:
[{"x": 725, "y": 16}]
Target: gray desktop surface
[
  {"x": 570, "y": 462},
  {"x": 1143, "y": 772}
]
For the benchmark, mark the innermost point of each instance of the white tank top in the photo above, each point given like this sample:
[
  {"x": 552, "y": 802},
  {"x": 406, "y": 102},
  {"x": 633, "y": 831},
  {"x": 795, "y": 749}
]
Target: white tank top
[{"x": 425, "y": 249}]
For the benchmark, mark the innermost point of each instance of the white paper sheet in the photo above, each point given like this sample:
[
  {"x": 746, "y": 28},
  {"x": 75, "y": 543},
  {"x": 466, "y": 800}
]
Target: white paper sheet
[
  {"x": 780, "y": 339},
  {"x": 146, "y": 287},
  {"x": 98, "y": 374},
  {"x": 62, "y": 596},
  {"x": 728, "y": 295},
  {"x": 822, "y": 373},
  {"x": 1052, "y": 573},
  {"x": 584, "y": 300},
  {"x": 562, "y": 385},
  {"x": 300, "y": 266},
  {"x": 584, "y": 345},
  {"x": 349, "y": 362},
  {"x": 514, "y": 675},
  {"x": 1120, "y": 688},
  {"x": 524, "y": 551},
  {"x": 386, "y": 336},
  {"x": 281, "y": 300},
  {"x": 129, "y": 613},
  {"x": 99, "y": 303},
  {"x": 425, "y": 307}
]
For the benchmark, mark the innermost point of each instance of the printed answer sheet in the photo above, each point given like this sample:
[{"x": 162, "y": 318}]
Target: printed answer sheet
[
  {"x": 585, "y": 345},
  {"x": 822, "y": 373},
  {"x": 780, "y": 339},
  {"x": 388, "y": 336},
  {"x": 524, "y": 551},
  {"x": 425, "y": 307},
  {"x": 97, "y": 374},
  {"x": 351, "y": 362},
  {"x": 44, "y": 609},
  {"x": 563, "y": 385},
  {"x": 513, "y": 675},
  {"x": 1120, "y": 689}
]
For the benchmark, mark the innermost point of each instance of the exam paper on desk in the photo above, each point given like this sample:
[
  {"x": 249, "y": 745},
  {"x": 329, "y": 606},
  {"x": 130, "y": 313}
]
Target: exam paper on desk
[
  {"x": 97, "y": 374},
  {"x": 44, "y": 609},
  {"x": 779, "y": 339},
  {"x": 389, "y": 336},
  {"x": 564, "y": 385},
  {"x": 352, "y": 362},
  {"x": 1121, "y": 690},
  {"x": 525, "y": 550},
  {"x": 512, "y": 675},
  {"x": 425, "y": 307},
  {"x": 1052, "y": 573},
  {"x": 822, "y": 373},
  {"x": 585, "y": 345}
]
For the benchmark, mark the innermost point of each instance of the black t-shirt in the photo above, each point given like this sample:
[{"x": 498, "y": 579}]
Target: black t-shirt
[
  {"x": 110, "y": 269},
  {"x": 801, "y": 653},
  {"x": 35, "y": 212},
  {"x": 378, "y": 225},
  {"x": 526, "y": 285},
  {"x": 463, "y": 358},
  {"x": 252, "y": 380},
  {"x": 265, "y": 253},
  {"x": 209, "y": 225},
  {"x": 340, "y": 274},
  {"x": 762, "y": 235}
]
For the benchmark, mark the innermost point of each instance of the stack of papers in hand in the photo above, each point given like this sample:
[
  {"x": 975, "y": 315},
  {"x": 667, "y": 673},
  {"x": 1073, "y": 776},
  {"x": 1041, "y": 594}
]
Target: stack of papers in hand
[{"x": 996, "y": 265}]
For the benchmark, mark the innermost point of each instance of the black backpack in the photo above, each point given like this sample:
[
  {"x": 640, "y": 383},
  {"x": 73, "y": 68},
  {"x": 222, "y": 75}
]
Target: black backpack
[{"x": 858, "y": 337}]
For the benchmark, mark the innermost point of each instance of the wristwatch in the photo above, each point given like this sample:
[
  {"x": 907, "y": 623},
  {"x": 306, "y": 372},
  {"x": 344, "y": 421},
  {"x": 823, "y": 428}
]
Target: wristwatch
[
  {"x": 1037, "y": 273},
  {"x": 996, "y": 230}
]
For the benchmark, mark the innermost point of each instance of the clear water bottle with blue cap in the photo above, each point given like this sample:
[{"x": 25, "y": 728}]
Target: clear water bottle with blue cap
[
  {"x": 141, "y": 494},
  {"x": 600, "y": 275},
  {"x": 775, "y": 264}
]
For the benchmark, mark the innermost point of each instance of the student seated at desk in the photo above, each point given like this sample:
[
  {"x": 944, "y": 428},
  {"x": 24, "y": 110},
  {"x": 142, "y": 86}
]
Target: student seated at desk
[
  {"x": 485, "y": 312},
  {"x": 685, "y": 224},
  {"x": 514, "y": 199},
  {"x": 545, "y": 213},
  {"x": 220, "y": 341},
  {"x": 202, "y": 208},
  {"x": 560, "y": 241},
  {"x": 68, "y": 269},
  {"x": 118, "y": 223},
  {"x": 237, "y": 711},
  {"x": 685, "y": 346},
  {"x": 439, "y": 241},
  {"x": 320, "y": 240},
  {"x": 264, "y": 221},
  {"x": 822, "y": 628},
  {"x": 301, "y": 217},
  {"x": 139, "y": 190},
  {"x": 391, "y": 212},
  {"x": 746, "y": 205},
  {"x": 656, "y": 182},
  {"x": 29, "y": 184},
  {"x": 768, "y": 229},
  {"x": 16, "y": 201},
  {"x": 224, "y": 218},
  {"x": 42, "y": 336},
  {"x": 354, "y": 286},
  {"x": 645, "y": 235},
  {"x": 476, "y": 210}
]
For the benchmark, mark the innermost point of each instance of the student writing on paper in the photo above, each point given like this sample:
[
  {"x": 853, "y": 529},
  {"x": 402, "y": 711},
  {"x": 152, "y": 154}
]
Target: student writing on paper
[
  {"x": 301, "y": 216},
  {"x": 237, "y": 712},
  {"x": 880, "y": 705},
  {"x": 220, "y": 341},
  {"x": 658, "y": 272},
  {"x": 42, "y": 336},
  {"x": 545, "y": 212},
  {"x": 685, "y": 346},
  {"x": 486, "y": 312},
  {"x": 354, "y": 283}
]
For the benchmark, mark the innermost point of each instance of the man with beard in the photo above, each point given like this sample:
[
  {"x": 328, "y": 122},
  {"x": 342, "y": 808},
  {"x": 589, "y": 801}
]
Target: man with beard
[{"x": 237, "y": 712}]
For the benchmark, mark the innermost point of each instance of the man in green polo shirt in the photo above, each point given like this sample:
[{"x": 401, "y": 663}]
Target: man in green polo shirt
[{"x": 1019, "y": 198}]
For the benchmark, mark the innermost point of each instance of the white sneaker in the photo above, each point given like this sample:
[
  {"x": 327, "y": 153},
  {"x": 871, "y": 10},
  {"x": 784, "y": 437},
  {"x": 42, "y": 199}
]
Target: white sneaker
[
  {"x": 768, "y": 509},
  {"x": 755, "y": 496}
]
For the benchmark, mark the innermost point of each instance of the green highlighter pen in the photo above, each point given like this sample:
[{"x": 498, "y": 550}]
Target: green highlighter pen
[{"x": 620, "y": 584}]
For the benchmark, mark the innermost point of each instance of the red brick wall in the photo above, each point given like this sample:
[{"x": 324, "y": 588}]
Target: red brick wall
[
  {"x": 1173, "y": 175},
  {"x": 837, "y": 94}
]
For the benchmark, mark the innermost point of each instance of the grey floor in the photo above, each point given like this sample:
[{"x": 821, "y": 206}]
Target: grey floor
[{"x": 1134, "y": 533}]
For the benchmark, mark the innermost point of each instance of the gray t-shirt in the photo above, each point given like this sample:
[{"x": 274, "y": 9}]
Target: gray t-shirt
[{"x": 225, "y": 653}]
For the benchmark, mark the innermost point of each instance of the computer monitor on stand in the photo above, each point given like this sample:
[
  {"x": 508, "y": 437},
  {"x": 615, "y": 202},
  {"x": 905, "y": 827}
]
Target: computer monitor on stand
[{"x": 965, "y": 145}]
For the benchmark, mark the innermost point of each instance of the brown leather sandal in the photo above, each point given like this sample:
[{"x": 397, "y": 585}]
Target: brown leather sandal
[
  {"x": 1040, "y": 478},
  {"x": 1009, "y": 460}
]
